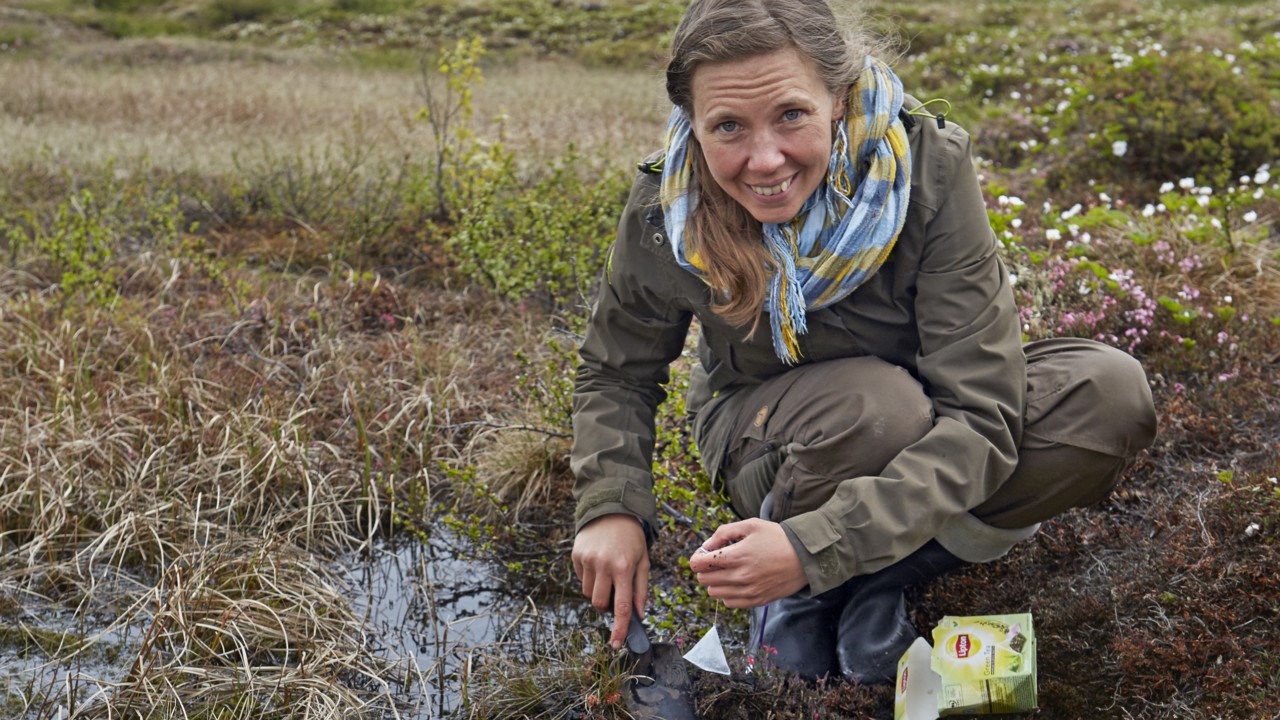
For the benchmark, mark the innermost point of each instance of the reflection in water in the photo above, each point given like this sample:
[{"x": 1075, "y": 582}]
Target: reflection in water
[
  {"x": 428, "y": 609},
  {"x": 92, "y": 649},
  {"x": 435, "y": 612}
]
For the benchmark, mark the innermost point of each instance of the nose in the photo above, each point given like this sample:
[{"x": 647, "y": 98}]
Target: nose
[{"x": 766, "y": 153}]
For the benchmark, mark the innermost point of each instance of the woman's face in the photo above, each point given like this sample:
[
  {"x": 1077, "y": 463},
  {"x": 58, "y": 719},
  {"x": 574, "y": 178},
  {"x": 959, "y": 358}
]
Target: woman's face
[{"x": 764, "y": 124}]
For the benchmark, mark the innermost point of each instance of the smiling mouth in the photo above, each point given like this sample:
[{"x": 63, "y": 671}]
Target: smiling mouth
[{"x": 770, "y": 190}]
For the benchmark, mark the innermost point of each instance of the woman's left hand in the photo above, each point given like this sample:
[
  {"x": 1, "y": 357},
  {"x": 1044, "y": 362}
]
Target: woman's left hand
[{"x": 748, "y": 563}]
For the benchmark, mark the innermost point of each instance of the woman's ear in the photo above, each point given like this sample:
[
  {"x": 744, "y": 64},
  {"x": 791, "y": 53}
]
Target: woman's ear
[{"x": 841, "y": 102}]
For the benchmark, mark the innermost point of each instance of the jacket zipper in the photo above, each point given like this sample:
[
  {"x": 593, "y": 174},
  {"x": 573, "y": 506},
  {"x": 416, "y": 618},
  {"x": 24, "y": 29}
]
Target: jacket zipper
[{"x": 760, "y": 452}]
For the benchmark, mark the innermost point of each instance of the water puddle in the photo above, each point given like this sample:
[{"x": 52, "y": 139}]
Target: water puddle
[
  {"x": 433, "y": 613},
  {"x": 93, "y": 650},
  {"x": 430, "y": 612}
]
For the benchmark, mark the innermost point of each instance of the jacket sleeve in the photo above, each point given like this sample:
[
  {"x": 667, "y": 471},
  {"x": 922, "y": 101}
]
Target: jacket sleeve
[
  {"x": 634, "y": 334},
  {"x": 971, "y": 364}
]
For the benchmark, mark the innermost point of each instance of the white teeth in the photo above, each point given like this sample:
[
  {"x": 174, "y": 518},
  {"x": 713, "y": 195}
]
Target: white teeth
[{"x": 772, "y": 189}]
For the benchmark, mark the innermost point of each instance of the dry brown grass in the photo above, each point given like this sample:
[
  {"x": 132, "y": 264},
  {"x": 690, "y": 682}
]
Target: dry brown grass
[
  {"x": 195, "y": 468},
  {"x": 197, "y": 106}
]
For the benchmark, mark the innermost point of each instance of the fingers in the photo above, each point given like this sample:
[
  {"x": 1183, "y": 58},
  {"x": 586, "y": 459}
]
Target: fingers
[
  {"x": 734, "y": 595},
  {"x": 611, "y": 557},
  {"x": 722, "y": 549},
  {"x": 729, "y": 533},
  {"x": 760, "y": 565},
  {"x": 623, "y": 599},
  {"x": 642, "y": 585}
]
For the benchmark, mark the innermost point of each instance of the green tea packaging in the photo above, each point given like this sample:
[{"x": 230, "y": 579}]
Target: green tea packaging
[{"x": 978, "y": 665}]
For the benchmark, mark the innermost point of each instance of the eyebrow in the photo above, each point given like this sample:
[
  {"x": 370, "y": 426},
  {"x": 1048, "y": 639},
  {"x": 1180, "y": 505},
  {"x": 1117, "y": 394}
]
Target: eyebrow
[{"x": 790, "y": 100}]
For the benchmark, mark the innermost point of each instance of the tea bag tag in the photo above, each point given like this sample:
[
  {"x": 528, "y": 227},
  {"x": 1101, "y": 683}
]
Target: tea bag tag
[{"x": 708, "y": 654}]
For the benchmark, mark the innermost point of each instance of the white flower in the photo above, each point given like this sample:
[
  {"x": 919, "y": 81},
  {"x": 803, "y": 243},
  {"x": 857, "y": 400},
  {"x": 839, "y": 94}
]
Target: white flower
[
  {"x": 1015, "y": 223},
  {"x": 1227, "y": 299},
  {"x": 1187, "y": 183},
  {"x": 1015, "y": 201},
  {"x": 1203, "y": 200},
  {"x": 1250, "y": 216},
  {"x": 1104, "y": 197},
  {"x": 1252, "y": 529},
  {"x": 1086, "y": 238},
  {"x": 1245, "y": 179},
  {"x": 1257, "y": 194},
  {"x": 1075, "y": 210},
  {"x": 1013, "y": 279},
  {"x": 1084, "y": 289},
  {"x": 1160, "y": 207},
  {"x": 1149, "y": 210},
  {"x": 1073, "y": 229},
  {"x": 1003, "y": 200},
  {"x": 1118, "y": 148},
  {"x": 1168, "y": 186},
  {"x": 1216, "y": 223},
  {"x": 1262, "y": 177},
  {"x": 1053, "y": 234}
]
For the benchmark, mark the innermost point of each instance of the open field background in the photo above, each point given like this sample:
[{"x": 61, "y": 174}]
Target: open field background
[{"x": 268, "y": 329}]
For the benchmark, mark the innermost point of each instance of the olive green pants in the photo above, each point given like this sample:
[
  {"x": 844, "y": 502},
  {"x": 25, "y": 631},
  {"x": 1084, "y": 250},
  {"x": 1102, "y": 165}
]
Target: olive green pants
[{"x": 1089, "y": 414}]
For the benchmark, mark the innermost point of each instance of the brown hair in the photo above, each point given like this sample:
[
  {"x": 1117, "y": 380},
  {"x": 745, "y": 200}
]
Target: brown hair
[{"x": 729, "y": 240}]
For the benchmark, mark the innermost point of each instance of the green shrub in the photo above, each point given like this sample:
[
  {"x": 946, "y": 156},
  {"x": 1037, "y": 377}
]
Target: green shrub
[
  {"x": 339, "y": 193},
  {"x": 542, "y": 239},
  {"x": 77, "y": 245},
  {"x": 370, "y": 7},
  {"x": 226, "y": 12},
  {"x": 545, "y": 241},
  {"x": 1141, "y": 121},
  {"x": 127, "y": 5}
]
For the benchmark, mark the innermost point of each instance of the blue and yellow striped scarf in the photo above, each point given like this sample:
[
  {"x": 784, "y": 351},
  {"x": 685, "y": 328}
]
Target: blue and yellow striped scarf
[{"x": 844, "y": 231}]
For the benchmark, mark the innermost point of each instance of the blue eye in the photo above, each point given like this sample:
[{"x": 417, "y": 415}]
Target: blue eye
[
  {"x": 727, "y": 126},
  {"x": 792, "y": 115}
]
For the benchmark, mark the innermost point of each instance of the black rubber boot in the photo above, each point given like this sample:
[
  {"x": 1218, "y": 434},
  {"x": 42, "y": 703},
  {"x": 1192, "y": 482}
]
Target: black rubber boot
[
  {"x": 874, "y": 629},
  {"x": 798, "y": 633}
]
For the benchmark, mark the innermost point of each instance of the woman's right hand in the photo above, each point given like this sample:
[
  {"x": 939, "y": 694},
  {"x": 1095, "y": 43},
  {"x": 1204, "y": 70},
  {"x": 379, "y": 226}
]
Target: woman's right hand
[{"x": 611, "y": 557}]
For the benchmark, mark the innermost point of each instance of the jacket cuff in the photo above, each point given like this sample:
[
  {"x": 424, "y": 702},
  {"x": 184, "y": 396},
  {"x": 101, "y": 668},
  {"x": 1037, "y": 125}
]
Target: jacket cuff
[
  {"x": 620, "y": 497},
  {"x": 815, "y": 541}
]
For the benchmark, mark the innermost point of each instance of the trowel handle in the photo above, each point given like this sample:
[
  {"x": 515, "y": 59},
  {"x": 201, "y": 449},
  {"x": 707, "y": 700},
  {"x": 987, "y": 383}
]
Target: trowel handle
[{"x": 637, "y": 638}]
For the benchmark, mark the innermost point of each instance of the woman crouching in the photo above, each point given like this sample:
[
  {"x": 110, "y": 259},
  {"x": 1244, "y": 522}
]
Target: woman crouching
[{"x": 863, "y": 399}]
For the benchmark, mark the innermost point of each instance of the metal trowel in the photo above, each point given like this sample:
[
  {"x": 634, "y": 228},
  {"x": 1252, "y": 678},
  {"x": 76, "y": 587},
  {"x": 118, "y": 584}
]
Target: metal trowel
[{"x": 659, "y": 687}]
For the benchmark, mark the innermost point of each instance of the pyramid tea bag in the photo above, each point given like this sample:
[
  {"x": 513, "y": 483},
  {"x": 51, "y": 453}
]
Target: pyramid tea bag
[{"x": 708, "y": 654}]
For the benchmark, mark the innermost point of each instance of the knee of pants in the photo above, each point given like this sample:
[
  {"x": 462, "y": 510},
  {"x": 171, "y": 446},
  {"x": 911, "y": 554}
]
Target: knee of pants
[
  {"x": 857, "y": 421},
  {"x": 1100, "y": 400},
  {"x": 1121, "y": 391},
  {"x": 861, "y": 417}
]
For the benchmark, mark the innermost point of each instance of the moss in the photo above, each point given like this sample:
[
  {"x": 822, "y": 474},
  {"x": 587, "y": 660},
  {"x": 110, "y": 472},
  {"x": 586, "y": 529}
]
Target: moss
[{"x": 25, "y": 639}]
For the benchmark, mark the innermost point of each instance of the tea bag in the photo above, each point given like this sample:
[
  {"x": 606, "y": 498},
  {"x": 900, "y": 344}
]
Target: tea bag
[{"x": 708, "y": 654}]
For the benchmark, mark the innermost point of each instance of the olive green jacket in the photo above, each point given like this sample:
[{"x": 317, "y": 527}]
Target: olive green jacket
[{"x": 941, "y": 307}]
